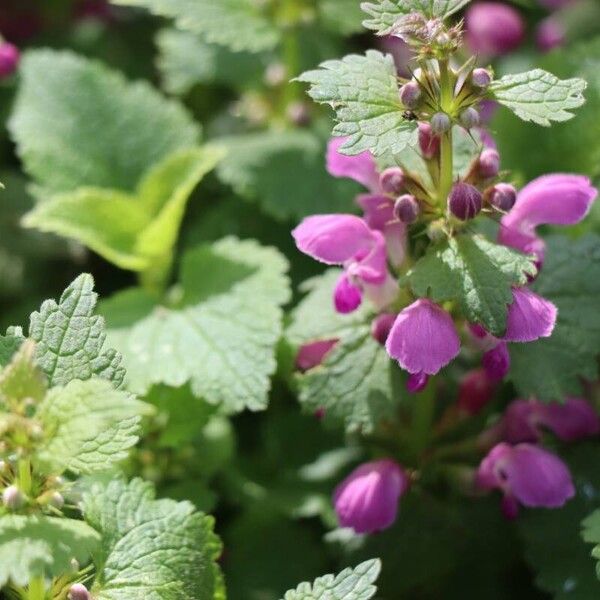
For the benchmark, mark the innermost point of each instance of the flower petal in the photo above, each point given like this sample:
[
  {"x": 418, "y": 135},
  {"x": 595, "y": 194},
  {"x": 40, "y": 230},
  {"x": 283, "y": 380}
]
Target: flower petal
[
  {"x": 530, "y": 317},
  {"x": 346, "y": 296},
  {"x": 573, "y": 420},
  {"x": 312, "y": 354},
  {"x": 360, "y": 167}
]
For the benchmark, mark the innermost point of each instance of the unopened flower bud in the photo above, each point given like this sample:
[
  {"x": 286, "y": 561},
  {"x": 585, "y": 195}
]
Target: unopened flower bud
[
  {"x": 464, "y": 201},
  {"x": 475, "y": 391},
  {"x": 298, "y": 113},
  {"x": 9, "y": 59},
  {"x": 440, "y": 123},
  {"x": 469, "y": 118},
  {"x": 436, "y": 231},
  {"x": 502, "y": 196},
  {"x": 494, "y": 28},
  {"x": 481, "y": 78},
  {"x": 12, "y": 498},
  {"x": 381, "y": 325},
  {"x": 489, "y": 163},
  {"x": 78, "y": 591},
  {"x": 391, "y": 181},
  {"x": 406, "y": 209},
  {"x": 410, "y": 94},
  {"x": 428, "y": 143},
  {"x": 416, "y": 382},
  {"x": 56, "y": 500},
  {"x": 496, "y": 362}
]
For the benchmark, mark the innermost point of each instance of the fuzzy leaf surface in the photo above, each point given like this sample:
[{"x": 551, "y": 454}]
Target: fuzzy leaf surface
[{"x": 591, "y": 534}]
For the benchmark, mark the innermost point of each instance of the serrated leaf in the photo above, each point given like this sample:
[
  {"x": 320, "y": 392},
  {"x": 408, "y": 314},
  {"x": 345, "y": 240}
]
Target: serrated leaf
[
  {"x": 591, "y": 534},
  {"x": 284, "y": 172},
  {"x": 550, "y": 369},
  {"x": 539, "y": 96},
  {"x": 220, "y": 337},
  {"x": 363, "y": 90},
  {"x": 88, "y": 426},
  {"x": 21, "y": 378},
  {"x": 350, "y": 584},
  {"x": 552, "y": 538},
  {"x": 155, "y": 549},
  {"x": 476, "y": 273},
  {"x": 70, "y": 338},
  {"x": 385, "y": 14},
  {"x": 237, "y": 24},
  {"x": 33, "y": 546},
  {"x": 9, "y": 344},
  {"x": 77, "y": 123}
]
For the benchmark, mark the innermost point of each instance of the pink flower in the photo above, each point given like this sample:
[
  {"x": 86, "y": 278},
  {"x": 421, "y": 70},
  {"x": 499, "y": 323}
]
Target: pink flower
[
  {"x": 496, "y": 362},
  {"x": 348, "y": 241},
  {"x": 525, "y": 420},
  {"x": 549, "y": 200},
  {"x": 476, "y": 389},
  {"x": 494, "y": 28},
  {"x": 550, "y": 34},
  {"x": 526, "y": 475},
  {"x": 530, "y": 317},
  {"x": 9, "y": 59},
  {"x": 360, "y": 167},
  {"x": 423, "y": 338},
  {"x": 313, "y": 354},
  {"x": 381, "y": 326},
  {"x": 367, "y": 500}
]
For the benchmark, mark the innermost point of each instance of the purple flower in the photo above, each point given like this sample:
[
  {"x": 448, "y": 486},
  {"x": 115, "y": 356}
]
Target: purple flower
[
  {"x": 524, "y": 420},
  {"x": 530, "y": 317},
  {"x": 526, "y": 475},
  {"x": 428, "y": 142},
  {"x": 417, "y": 382},
  {"x": 312, "y": 354},
  {"x": 423, "y": 338},
  {"x": 78, "y": 591},
  {"x": 493, "y": 28},
  {"x": 550, "y": 34},
  {"x": 367, "y": 500},
  {"x": 381, "y": 326},
  {"x": 465, "y": 201},
  {"x": 556, "y": 199},
  {"x": 9, "y": 59},
  {"x": 476, "y": 389},
  {"x": 496, "y": 362},
  {"x": 360, "y": 167}
]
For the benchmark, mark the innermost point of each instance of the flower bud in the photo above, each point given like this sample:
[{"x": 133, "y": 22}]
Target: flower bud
[
  {"x": 9, "y": 59},
  {"x": 496, "y": 362},
  {"x": 475, "y": 391},
  {"x": 381, "y": 325},
  {"x": 428, "y": 143},
  {"x": 410, "y": 94},
  {"x": 417, "y": 382},
  {"x": 481, "y": 78},
  {"x": 489, "y": 163},
  {"x": 549, "y": 34},
  {"x": 464, "y": 201},
  {"x": 440, "y": 123},
  {"x": 469, "y": 118},
  {"x": 502, "y": 196},
  {"x": 493, "y": 28},
  {"x": 436, "y": 231},
  {"x": 406, "y": 209},
  {"x": 298, "y": 113},
  {"x": 391, "y": 181},
  {"x": 56, "y": 500},
  {"x": 12, "y": 498},
  {"x": 78, "y": 591}
]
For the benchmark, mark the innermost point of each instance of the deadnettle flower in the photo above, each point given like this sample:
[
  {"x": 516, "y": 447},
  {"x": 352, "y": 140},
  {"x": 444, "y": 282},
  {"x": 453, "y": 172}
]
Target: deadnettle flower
[
  {"x": 550, "y": 34},
  {"x": 367, "y": 500},
  {"x": 496, "y": 362},
  {"x": 493, "y": 28},
  {"x": 347, "y": 240},
  {"x": 423, "y": 338},
  {"x": 9, "y": 59},
  {"x": 525, "y": 420},
  {"x": 312, "y": 354},
  {"x": 527, "y": 475},
  {"x": 476, "y": 389},
  {"x": 549, "y": 200},
  {"x": 529, "y": 317}
]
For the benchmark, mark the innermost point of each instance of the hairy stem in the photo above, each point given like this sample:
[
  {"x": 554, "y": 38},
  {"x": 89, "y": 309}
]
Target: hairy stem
[
  {"x": 37, "y": 589},
  {"x": 24, "y": 472}
]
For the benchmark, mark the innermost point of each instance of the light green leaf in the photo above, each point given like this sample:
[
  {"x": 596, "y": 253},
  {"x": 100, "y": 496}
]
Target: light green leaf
[
  {"x": 220, "y": 337},
  {"x": 478, "y": 274},
  {"x": 385, "y": 14},
  {"x": 33, "y": 546},
  {"x": 77, "y": 123},
  {"x": 539, "y": 96},
  {"x": 363, "y": 90},
  {"x": 350, "y": 584},
  {"x": 341, "y": 17},
  {"x": 70, "y": 338},
  {"x": 21, "y": 378},
  {"x": 285, "y": 173},
  {"x": 591, "y": 534},
  {"x": 9, "y": 344},
  {"x": 237, "y": 24},
  {"x": 552, "y": 368},
  {"x": 154, "y": 549},
  {"x": 88, "y": 426}
]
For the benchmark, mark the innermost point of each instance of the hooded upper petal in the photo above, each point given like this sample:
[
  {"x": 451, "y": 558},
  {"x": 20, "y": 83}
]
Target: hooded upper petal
[
  {"x": 573, "y": 420},
  {"x": 423, "y": 338},
  {"x": 360, "y": 167},
  {"x": 367, "y": 500},
  {"x": 530, "y": 317},
  {"x": 312, "y": 354}
]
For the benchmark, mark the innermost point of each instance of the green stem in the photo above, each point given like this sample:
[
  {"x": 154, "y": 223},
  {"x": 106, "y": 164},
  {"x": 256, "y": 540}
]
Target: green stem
[
  {"x": 24, "y": 472},
  {"x": 423, "y": 414},
  {"x": 37, "y": 589},
  {"x": 445, "y": 181}
]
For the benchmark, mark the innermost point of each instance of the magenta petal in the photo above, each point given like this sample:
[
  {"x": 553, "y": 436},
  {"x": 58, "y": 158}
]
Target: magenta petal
[
  {"x": 417, "y": 382},
  {"x": 530, "y": 317},
  {"x": 333, "y": 239},
  {"x": 360, "y": 167},
  {"x": 573, "y": 420},
  {"x": 381, "y": 325},
  {"x": 521, "y": 421},
  {"x": 312, "y": 354},
  {"x": 367, "y": 500},
  {"x": 378, "y": 210},
  {"x": 346, "y": 296},
  {"x": 496, "y": 362},
  {"x": 423, "y": 338},
  {"x": 487, "y": 474},
  {"x": 370, "y": 264}
]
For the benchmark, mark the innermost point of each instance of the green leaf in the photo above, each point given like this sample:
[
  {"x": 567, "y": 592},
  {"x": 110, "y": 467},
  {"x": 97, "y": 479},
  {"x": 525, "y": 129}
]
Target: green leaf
[
  {"x": 237, "y": 24},
  {"x": 21, "y": 378},
  {"x": 363, "y": 90},
  {"x": 220, "y": 337},
  {"x": 551, "y": 368},
  {"x": 341, "y": 17},
  {"x": 539, "y": 96},
  {"x": 9, "y": 344},
  {"x": 33, "y": 546},
  {"x": 157, "y": 549},
  {"x": 591, "y": 534},
  {"x": 70, "y": 337},
  {"x": 478, "y": 274},
  {"x": 284, "y": 172},
  {"x": 88, "y": 426},
  {"x": 552, "y": 538},
  {"x": 350, "y": 584},
  {"x": 77, "y": 123},
  {"x": 385, "y": 14}
]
